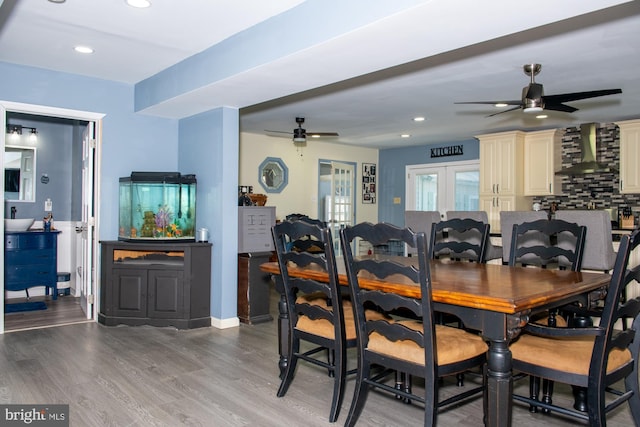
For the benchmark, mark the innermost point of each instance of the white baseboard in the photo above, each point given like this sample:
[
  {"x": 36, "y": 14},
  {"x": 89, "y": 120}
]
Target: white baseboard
[{"x": 232, "y": 322}]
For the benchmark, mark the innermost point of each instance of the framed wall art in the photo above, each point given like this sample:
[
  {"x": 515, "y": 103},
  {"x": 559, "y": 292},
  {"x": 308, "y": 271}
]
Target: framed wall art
[{"x": 369, "y": 183}]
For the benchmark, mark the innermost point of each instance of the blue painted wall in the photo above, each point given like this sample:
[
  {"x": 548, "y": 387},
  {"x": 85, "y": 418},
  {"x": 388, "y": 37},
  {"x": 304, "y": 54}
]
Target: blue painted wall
[
  {"x": 393, "y": 179},
  {"x": 209, "y": 146},
  {"x": 206, "y": 144},
  {"x": 130, "y": 141}
]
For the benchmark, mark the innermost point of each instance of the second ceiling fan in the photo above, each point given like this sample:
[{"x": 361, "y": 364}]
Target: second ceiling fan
[
  {"x": 300, "y": 134},
  {"x": 534, "y": 100}
]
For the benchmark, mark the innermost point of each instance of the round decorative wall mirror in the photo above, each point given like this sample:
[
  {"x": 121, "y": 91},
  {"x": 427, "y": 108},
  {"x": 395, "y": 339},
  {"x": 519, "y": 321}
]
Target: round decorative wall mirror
[{"x": 273, "y": 174}]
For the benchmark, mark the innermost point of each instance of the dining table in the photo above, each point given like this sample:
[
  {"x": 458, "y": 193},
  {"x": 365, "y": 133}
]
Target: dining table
[{"x": 496, "y": 300}]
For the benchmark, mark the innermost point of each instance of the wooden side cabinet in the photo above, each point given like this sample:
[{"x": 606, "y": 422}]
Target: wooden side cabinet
[{"x": 164, "y": 284}]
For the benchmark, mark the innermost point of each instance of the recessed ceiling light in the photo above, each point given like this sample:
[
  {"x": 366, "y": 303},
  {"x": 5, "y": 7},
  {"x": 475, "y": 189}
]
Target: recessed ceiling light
[
  {"x": 83, "y": 49},
  {"x": 500, "y": 104},
  {"x": 541, "y": 116},
  {"x": 139, "y": 3},
  {"x": 418, "y": 119},
  {"x": 405, "y": 135},
  {"x": 57, "y": 1}
]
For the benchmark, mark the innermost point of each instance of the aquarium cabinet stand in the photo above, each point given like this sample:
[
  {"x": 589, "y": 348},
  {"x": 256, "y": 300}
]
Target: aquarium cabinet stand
[{"x": 157, "y": 284}]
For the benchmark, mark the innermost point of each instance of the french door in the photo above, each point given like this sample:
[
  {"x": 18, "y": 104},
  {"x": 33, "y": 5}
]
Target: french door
[
  {"x": 443, "y": 187},
  {"x": 339, "y": 204},
  {"x": 87, "y": 269}
]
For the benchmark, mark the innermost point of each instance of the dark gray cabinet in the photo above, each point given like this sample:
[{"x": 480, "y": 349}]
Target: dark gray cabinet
[{"x": 165, "y": 284}]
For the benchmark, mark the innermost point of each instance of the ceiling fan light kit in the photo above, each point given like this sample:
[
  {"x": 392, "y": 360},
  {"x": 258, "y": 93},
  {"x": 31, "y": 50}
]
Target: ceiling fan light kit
[{"x": 533, "y": 99}]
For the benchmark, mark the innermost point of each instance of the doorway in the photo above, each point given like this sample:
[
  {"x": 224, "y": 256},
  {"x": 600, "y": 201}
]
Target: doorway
[
  {"x": 336, "y": 185},
  {"x": 443, "y": 187},
  {"x": 80, "y": 234}
]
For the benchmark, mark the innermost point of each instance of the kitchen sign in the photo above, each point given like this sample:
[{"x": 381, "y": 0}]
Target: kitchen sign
[{"x": 452, "y": 150}]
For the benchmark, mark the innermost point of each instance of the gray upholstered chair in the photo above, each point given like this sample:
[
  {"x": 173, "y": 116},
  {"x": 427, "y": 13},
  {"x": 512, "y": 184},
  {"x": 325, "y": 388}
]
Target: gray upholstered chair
[
  {"x": 508, "y": 219},
  {"x": 492, "y": 252},
  {"x": 419, "y": 221},
  {"x": 598, "y": 248}
]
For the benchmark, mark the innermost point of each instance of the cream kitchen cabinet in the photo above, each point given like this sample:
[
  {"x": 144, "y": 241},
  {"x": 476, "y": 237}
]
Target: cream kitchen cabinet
[
  {"x": 629, "y": 156},
  {"x": 542, "y": 159},
  {"x": 502, "y": 175}
]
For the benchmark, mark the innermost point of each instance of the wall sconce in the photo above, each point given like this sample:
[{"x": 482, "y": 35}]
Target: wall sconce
[{"x": 16, "y": 130}]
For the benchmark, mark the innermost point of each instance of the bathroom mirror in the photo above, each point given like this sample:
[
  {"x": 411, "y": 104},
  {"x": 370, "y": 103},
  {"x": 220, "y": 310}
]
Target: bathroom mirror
[
  {"x": 272, "y": 174},
  {"x": 19, "y": 173}
]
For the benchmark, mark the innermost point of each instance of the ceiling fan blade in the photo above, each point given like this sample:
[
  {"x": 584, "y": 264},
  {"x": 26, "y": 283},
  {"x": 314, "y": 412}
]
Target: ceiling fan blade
[
  {"x": 518, "y": 102},
  {"x": 504, "y": 111},
  {"x": 560, "y": 107},
  {"x": 321, "y": 134},
  {"x": 575, "y": 96},
  {"x": 278, "y": 133}
]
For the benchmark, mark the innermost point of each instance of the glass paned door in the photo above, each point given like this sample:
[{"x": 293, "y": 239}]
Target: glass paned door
[
  {"x": 443, "y": 187},
  {"x": 340, "y": 203}
]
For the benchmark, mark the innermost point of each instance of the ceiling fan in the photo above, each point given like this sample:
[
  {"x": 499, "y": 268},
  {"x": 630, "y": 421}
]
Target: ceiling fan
[
  {"x": 300, "y": 134},
  {"x": 533, "y": 98}
]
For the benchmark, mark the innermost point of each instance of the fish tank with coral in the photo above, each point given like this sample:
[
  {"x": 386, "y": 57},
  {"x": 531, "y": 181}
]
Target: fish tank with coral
[{"x": 157, "y": 206}]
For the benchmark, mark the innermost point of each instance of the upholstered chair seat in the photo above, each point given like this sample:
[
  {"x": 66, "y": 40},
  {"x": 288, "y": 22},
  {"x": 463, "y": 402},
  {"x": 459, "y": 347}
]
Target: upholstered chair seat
[{"x": 453, "y": 344}]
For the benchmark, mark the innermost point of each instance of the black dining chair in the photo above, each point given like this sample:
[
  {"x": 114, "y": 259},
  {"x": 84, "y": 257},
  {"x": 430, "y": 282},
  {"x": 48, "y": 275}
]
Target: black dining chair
[
  {"x": 317, "y": 312},
  {"x": 417, "y": 347},
  {"x": 491, "y": 252},
  {"x": 602, "y": 359},
  {"x": 563, "y": 244},
  {"x": 459, "y": 238},
  {"x": 544, "y": 243}
]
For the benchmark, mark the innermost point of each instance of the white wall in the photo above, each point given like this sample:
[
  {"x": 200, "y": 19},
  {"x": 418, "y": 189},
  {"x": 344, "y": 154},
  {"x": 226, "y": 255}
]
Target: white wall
[{"x": 300, "y": 194}]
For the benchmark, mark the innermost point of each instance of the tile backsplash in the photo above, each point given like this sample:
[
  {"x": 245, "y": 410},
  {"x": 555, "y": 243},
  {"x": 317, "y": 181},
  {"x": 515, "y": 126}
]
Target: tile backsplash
[{"x": 599, "y": 189}]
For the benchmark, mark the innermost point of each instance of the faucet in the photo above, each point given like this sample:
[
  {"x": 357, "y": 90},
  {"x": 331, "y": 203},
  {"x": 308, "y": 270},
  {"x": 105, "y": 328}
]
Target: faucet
[{"x": 13, "y": 212}]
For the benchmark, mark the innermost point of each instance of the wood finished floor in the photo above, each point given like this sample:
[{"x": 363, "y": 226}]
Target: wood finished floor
[
  {"x": 64, "y": 310},
  {"x": 145, "y": 376}
]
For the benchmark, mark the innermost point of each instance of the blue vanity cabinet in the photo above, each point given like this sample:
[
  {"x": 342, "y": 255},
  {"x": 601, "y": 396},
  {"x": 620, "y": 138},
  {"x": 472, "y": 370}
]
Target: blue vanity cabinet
[{"x": 30, "y": 259}]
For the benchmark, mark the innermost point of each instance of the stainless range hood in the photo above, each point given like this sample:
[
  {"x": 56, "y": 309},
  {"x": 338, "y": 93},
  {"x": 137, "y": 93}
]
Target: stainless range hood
[{"x": 588, "y": 163}]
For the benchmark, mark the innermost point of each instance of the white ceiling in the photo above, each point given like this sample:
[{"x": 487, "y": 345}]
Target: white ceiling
[{"x": 368, "y": 84}]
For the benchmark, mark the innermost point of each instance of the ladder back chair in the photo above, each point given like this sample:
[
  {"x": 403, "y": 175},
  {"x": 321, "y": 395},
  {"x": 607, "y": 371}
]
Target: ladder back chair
[
  {"x": 416, "y": 347},
  {"x": 449, "y": 238},
  {"x": 555, "y": 249},
  {"x": 317, "y": 312},
  {"x": 562, "y": 244},
  {"x": 600, "y": 358},
  {"x": 508, "y": 219},
  {"x": 492, "y": 252}
]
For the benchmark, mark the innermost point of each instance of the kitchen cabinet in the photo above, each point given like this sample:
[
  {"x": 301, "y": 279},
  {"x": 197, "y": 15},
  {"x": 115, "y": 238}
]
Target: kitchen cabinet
[
  {"x": 163, "y": 284},
  {"x": 501, "y": 175},
  {"x": 30, "y": 259},
  {"x": 629, "y": 156},
  {"x": 542, "y": 159}
]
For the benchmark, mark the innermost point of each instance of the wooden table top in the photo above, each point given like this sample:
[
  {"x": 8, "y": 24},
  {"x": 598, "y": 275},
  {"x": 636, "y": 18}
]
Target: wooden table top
[{"x": 489, "y": 287}]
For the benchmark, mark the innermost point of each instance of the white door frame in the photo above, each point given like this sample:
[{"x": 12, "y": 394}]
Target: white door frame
[
  {"x": 42, "y": 110},
  {"x": 446, "y": 182}
]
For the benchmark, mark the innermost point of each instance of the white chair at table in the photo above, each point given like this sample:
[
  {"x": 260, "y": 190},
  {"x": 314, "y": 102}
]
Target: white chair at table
[
  {"x": 419, "y": 221},
  {"x": 493, "y": 252},
  {"x": 507, "y": 220}
]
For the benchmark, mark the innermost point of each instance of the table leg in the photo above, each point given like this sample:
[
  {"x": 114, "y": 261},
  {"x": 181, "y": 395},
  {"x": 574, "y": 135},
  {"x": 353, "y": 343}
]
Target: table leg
[
  {"x": 283, "y": 326},
  {"x": 499, "y": 384}
]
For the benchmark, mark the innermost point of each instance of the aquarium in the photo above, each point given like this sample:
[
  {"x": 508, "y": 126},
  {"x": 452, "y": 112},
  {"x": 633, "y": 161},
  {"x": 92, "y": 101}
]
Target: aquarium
[{"x": 157, "y": 206}]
